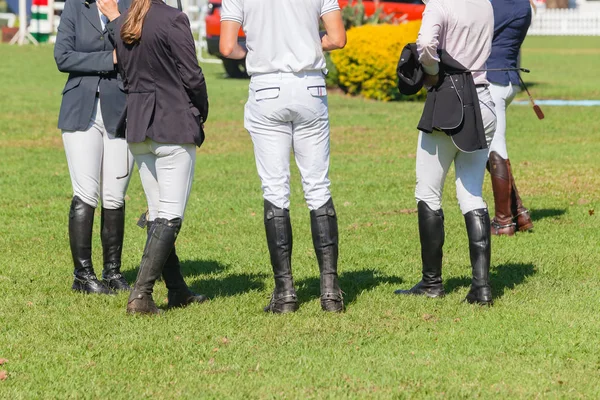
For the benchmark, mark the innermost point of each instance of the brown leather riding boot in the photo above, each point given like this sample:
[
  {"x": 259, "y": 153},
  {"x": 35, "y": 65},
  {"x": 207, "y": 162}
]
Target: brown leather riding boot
[
  {"x": 499, "y": 168},
  {"x": 520, "y": 213}
]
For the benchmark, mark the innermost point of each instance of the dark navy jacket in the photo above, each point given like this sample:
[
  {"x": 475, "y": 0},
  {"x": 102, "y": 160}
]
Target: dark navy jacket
[
  {"x": 84, "y": 51},
  {"x": 511, "y": 21}
]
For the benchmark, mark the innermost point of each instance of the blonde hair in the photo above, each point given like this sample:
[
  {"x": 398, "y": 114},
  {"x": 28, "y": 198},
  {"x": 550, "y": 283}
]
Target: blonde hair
[{"x": 131, "y": 32}]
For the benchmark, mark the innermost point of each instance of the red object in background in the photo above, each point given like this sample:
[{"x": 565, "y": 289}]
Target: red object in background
[
  {"x": 8, "y": 33},
  {"x": 413, "y": 9},
  {"x": 401, "y": 9},
  {"x": 39, "y": 2}
]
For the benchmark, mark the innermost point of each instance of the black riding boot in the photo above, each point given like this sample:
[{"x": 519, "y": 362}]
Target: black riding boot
[
  {"x": 179, "y": 294},
  {"x": 159, "y": 245},
  {"x": 324, "y": 227},
  {"x": 113, "y": 229},
  {"x": 279, "y": 241},
  {"x": 81, "y": 221},
  {"x": 478, "y": 230},
  {"x": 431, "y": 233}
]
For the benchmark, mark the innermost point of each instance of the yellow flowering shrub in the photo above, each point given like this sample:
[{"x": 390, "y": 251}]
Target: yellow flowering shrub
[{"x": 367, "y": 65}]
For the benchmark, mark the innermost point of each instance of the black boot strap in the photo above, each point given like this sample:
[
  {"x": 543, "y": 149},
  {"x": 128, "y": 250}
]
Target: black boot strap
[
  {"x": 86, "y": 278},
  {"x": 332, "y": 296},
  {"x": 288, "y": 295}
]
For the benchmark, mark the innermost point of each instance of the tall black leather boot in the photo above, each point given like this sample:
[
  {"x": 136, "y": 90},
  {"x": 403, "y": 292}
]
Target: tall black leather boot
[
  {"x": 478, "y": 230},
  {"x": 81, "y": 221},
  {"x": 179, "y": 294},
  {"x": 159, "y": 245},
  {"x": 431, "y": 233},
  {"x": 279, "y": 240},
  {"x": 324, "y": 228},
  {"x": 113, "y": 229}
]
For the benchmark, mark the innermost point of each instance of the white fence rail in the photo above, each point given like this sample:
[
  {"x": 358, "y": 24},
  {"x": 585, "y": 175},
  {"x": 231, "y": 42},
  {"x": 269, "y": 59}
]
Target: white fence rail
[{"x": 565, "y": 22}]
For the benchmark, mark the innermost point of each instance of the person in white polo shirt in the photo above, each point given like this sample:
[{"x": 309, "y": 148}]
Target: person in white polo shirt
[{"x": 287, "y": 109}]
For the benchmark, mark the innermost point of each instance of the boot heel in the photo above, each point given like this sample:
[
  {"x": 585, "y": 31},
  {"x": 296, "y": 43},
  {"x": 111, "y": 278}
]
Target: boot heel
[
  {"x": 282, "y": 303},
  {"x": 481, "y": 296},
  {"x": 523, "y": 221},
  {"x": 332, "y": 302},
  {"x": 77, "y": 286},
  {"x": 286, "y": 308}
]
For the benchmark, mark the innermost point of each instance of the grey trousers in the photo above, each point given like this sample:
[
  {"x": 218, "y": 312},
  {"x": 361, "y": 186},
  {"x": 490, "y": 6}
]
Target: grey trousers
[
  {"x": 285, "y": 112},
  {"x": 96, "y": 158},
  {"x": 167, "y": 172},
  {"x": 436, "y": 152}
]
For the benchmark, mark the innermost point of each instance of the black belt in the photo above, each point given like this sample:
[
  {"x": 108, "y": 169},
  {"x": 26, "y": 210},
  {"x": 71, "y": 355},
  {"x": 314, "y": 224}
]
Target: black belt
[
  {"x": 97, "y": 94},
  {"x": 480, "y": 85}
]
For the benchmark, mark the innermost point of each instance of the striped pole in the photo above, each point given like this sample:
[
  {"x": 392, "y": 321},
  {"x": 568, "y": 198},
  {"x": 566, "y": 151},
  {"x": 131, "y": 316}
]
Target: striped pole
[{"x": 42, "y": 19}]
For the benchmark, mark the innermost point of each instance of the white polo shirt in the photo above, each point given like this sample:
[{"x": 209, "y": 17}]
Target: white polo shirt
[{"x": 281, "y": 35}]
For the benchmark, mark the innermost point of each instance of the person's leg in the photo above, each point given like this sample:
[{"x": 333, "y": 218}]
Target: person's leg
[
  {"x": 272, "y": 139},
  {"x": 470, "y": 171},
  {"x": 435, "y": 153},
  {"x": 117, "y": 164},
  {"x": 311, "y": 149},
  {"x": 498, "y": 167},
  {"x": 478, "y": 230},
  {"x": 175, "y": 172},
  {"x": 510, "y": 214},
  {"x": 83, "y": 150},
  {"x": 520, "y": 214},
  {"x": 159, "y": 245},
  {"x": 142, "y": 302},
  {"x": 501, "y": 96}
]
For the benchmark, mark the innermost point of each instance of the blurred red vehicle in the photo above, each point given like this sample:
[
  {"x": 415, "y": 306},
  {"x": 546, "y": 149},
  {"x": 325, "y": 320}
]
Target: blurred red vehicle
[{"x": 401, "y": 9}]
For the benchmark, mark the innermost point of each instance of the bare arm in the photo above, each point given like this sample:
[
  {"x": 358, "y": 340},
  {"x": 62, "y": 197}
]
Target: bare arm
[
  {"x": 335, "y": 36},
  {"x": 228, "y": 42}
]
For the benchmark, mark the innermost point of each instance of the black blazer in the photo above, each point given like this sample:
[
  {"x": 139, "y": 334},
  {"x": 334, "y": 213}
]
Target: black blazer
[
  {"x": 84, "y": 51},
  {"x": 166, "y": 92},
  {"x": 452, "y": 106}
]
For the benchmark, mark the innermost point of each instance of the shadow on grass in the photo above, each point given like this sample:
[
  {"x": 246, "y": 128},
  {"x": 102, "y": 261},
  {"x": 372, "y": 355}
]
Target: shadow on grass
[
  {"x": 536, "y": 215},
  {"x": 201, "y": 267},
  {"x": 228, "y": 285},
  {"x": 502, "y": 277},
  {"x": 188, "y": 267},
  {"x": 218, "y": 286},
  {"x": 352, "y": 283}
]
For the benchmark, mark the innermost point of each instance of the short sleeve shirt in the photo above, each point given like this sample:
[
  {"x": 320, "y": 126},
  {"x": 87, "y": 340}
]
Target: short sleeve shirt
[{"x": 281, "y": 35}]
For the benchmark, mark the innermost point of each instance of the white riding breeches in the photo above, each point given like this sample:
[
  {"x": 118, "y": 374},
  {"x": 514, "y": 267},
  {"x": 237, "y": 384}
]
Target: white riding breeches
[
  {"x": 167, "y": 172},
  {"x": 435, "y": 153},
  {"x": 96, "y": 159},
  {"x": 285, "y": 112},
  {"x": 502, "y": 96}
]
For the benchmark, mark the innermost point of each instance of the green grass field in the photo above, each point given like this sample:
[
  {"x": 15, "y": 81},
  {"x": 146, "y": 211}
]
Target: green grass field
[{"x": 540, "y": 340}]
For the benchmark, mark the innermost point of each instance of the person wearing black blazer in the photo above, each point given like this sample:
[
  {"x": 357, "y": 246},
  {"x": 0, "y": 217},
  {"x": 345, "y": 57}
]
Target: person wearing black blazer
[
  {"x": 167, "y": 105},
  {"x": 93, "y": 101}
]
